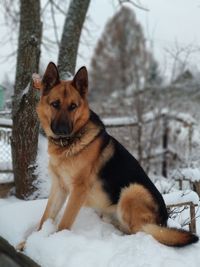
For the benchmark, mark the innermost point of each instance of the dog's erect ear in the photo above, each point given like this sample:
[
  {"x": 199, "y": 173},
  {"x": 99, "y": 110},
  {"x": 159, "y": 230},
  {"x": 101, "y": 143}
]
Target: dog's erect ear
[
  {"x": 80, "y": 81},
  {"x": 51, "y": 78}
]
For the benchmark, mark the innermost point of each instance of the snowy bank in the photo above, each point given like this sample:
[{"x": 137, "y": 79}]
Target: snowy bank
[{"x": 91, "y": 242}]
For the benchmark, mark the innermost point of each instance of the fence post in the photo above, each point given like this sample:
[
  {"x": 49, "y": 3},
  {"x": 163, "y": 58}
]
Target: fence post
[
  {"x": 193, "y": 219},
  {"x": 165, "y": 145}
]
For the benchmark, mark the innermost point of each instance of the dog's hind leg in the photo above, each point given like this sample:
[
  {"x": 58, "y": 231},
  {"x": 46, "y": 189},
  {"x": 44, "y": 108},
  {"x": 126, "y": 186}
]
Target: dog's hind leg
[{"x": 136, "y": 208}]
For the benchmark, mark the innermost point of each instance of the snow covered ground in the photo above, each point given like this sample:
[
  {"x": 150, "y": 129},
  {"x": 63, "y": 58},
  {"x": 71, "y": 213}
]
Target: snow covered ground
[{"x": 91, "y": 242}]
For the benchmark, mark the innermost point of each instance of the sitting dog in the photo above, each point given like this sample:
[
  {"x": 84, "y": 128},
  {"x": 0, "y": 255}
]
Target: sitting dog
[{"x": 92, "y": 168}]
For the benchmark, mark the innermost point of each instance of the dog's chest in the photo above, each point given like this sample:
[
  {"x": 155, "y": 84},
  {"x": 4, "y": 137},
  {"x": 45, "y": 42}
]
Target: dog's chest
[
  {"x": 66, "y": 170},
  {"x": 67, "y": 174}
]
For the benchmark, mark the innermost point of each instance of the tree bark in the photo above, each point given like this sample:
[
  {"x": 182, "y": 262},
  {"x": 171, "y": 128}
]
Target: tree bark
[
  {"x": 70, "y": 37},
  {"x": 25, "y": 122}
]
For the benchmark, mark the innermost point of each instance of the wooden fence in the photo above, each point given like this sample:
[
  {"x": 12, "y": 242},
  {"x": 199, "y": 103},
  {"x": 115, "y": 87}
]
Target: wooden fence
[{"x": 163, "y": 116}]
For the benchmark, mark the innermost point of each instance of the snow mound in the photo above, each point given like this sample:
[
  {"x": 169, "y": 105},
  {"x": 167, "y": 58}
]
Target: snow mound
[
  {"x": 91, "y": 242},
  {"x": 181, "y": 197}
]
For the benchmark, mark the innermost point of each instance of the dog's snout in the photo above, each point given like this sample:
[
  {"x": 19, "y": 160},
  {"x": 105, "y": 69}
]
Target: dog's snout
[{"x": 61, "y": 128}]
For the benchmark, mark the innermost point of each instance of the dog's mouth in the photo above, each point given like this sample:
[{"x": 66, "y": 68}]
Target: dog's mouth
[{"x": 59, "y": 136}]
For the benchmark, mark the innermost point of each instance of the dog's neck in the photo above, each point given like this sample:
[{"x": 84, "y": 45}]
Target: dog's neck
[
  {"x": 89, "y": 132},
  {"x": 69, "y": 140}
]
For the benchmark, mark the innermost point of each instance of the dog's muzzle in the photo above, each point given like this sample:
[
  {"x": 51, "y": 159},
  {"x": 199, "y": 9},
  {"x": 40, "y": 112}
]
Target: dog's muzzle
[{"x": 62, "y": 129}]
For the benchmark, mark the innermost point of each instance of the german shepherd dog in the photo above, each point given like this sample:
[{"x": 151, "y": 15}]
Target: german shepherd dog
[{"x": 92, "y": 168}]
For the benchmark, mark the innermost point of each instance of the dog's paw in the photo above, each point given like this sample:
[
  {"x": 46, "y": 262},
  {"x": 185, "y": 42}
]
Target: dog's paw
[{"x": 21, "y": 246}]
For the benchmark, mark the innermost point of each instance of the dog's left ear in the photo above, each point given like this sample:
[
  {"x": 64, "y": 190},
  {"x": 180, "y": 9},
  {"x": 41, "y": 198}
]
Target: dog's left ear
[
  {"x": 80, "y": 81},
  {"x": 49, "y": 80}
]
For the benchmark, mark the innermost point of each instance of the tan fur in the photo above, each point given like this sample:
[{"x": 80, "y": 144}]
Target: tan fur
[
  {"x": 136, "y": 208},
  {"x": 137, "y": 212},
  {"x": 75, "y": 174},
  {"x": 46, "y": 112},
  {"x": 69, "y": 166},
  {"x": 56, "y": 199},
  {"x": 96, "y": 197},
  {"x": 77, "y": 177},
  {"x": 167, "y": 236}
]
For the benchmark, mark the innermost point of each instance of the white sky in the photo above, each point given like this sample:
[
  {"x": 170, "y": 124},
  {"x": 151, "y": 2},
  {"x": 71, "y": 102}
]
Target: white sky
[{"x": 166, "y": 22}]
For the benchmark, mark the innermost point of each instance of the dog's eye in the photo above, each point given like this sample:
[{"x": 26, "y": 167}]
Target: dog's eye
[
  {"x": 73, "y": 106},
  {"x": 55, "y": 104}
]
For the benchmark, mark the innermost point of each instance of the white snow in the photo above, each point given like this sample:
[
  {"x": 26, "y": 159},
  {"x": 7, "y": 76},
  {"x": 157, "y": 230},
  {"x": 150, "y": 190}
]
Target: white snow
[
  {"x": 181, "y": 197},
  {"x": 119, "y": 121},
  {"x": 192, "y": 174},
  {"x": 25, "y": 91},
  {"x": 5, "y": 165},
  {"x": 5, "y": 122},
  {"x": 43, "y": 182},
  {"x": 91, "y": 242},
  {"x": 6, "y": 178}
]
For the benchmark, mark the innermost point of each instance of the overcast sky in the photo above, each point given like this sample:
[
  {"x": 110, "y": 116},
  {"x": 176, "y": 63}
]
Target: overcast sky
[{"x": 167, "y": 22}]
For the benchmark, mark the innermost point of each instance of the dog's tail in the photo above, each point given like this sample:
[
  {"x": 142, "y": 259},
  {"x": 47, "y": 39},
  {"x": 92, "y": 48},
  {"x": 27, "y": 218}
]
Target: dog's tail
[{"x": 170, "y": 236}]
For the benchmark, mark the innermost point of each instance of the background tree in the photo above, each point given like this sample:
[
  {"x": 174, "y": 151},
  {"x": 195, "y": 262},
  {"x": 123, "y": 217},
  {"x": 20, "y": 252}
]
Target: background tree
[
  {"x": 70, "y": 37},
  {"x": 121, "y": 61},
  {"x": 25, "y": 122},
  {"x": 122, "y": 68}
]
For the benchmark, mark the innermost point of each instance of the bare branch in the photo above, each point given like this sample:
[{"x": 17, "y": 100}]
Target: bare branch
[
  {"x": 137, "y": 5},
  {"x": 58, "y": 8},
  {"x": 45, "y": 7}
]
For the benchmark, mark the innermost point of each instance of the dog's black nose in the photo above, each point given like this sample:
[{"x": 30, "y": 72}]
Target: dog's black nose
[{"x": 61, "y": 128}]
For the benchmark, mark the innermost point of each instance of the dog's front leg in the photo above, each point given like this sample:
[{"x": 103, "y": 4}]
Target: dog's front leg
[
  {"x": 56, "y": 199},
  {"x": 55, "y": 202},
  {"x": 76, "y": 200}
]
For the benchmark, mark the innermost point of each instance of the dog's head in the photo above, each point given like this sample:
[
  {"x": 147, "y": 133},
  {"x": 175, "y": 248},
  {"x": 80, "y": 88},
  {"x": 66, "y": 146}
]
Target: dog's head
[{"x": 63, "y": 108}]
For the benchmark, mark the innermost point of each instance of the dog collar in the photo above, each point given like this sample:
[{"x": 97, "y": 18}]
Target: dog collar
[{"x": 66, "y": 141}]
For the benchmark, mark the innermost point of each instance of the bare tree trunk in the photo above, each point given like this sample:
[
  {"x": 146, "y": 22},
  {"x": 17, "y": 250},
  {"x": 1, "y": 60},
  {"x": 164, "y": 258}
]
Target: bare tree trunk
[
  {"x": 25, "y": 122},
  {"x": 71, "y": 36}
]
